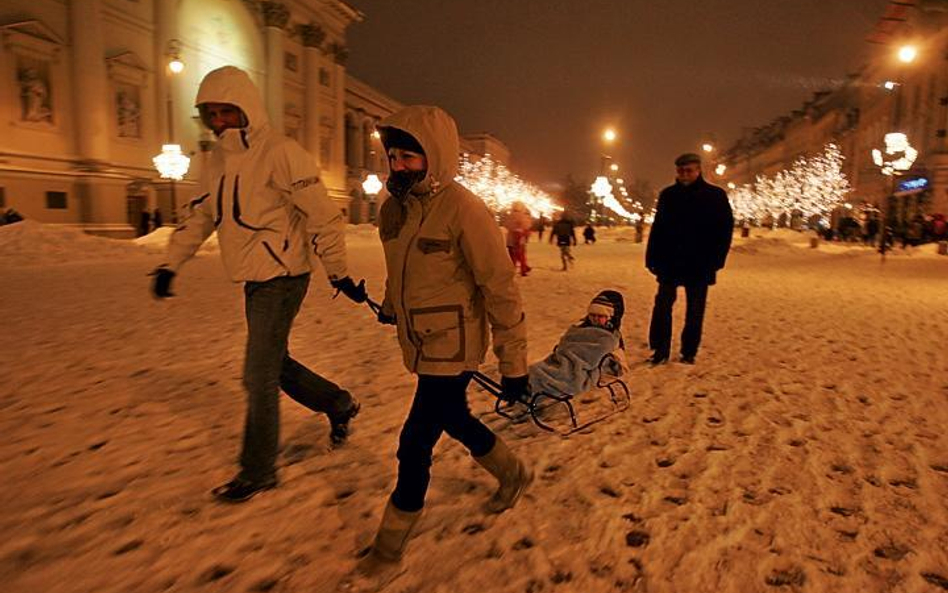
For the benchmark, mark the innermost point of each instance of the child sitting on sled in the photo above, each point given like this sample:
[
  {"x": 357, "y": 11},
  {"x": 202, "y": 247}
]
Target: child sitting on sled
[{"x": 574, "y": 365}]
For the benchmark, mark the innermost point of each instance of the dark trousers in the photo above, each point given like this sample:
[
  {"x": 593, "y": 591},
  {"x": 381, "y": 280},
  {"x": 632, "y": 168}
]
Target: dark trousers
[
  {"x": 660, "y": 329},
  {"x": 270, "y": 307},
  {"x": 440, "y": 405}
]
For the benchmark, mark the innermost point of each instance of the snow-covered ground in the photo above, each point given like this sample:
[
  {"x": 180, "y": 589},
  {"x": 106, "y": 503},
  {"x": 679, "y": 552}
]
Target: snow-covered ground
[{"x": 805, "y": 451}]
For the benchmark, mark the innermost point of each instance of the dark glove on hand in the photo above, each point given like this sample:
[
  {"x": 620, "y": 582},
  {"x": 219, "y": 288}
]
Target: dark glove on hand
[
  {"x": 161, "y": 287},
  {"x": 515, "y": 389},
  {"x": 354, "y": 291},
  {"x": 385, "y": 319}
]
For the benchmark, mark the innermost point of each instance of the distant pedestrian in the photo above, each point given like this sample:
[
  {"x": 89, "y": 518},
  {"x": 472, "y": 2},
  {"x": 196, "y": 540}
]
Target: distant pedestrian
[
  {"x": 540, "y": 227},
  {"x": 589, "y": 234},
  {"x": 157, "y": 220},
  {"x": 144, "y": 224},
  {"x": 871, "y": 231},
  {"x": 939, "y": 227},
  {"x": 564, "y": 232},
  {"x": 688, "y": 244},
  {"x": 518, "y": 225}
]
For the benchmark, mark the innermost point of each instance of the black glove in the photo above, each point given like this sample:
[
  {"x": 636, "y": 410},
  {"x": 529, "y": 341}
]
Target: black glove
[
  {"x": 515, "y": 389},
  {"x": 354, "y": 291},
  {"x": 161, "y": 287},
  {"x": 385, "y": 319}
]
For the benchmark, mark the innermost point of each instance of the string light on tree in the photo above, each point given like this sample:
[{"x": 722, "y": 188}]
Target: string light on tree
[
  {"x": 812, "y": 187},
  {"x": 500, "y": 188}
]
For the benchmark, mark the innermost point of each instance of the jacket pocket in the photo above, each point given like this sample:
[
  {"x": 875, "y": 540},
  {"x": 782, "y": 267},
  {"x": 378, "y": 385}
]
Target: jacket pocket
[
  {"x": 427, "y": 245},
  {"x": 439, "y": 332}
]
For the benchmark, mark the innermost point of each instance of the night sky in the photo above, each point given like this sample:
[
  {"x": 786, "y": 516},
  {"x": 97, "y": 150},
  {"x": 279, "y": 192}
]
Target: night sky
[{"x": 547, "y": 76}]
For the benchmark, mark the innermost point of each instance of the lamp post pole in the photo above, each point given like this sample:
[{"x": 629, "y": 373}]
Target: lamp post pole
[
  {"x": 175, "y": 66},
  {"x": 171, "y": 164},
  {"x": 906, "y": 55}
]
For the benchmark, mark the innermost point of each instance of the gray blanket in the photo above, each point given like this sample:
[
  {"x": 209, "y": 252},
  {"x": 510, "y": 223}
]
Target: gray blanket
[{"x": 573, "y": 367}]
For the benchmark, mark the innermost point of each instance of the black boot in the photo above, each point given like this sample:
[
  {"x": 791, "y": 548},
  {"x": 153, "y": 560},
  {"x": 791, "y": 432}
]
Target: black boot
[{"x": 240, "y": 490}]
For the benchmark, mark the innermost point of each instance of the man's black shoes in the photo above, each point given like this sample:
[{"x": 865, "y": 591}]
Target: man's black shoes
[
  {"x": 686, "y": 359},
  {"x": 240, "y": 490},
  {"x": 657, "y": 359},
  {"x": 339, "y": 427}
]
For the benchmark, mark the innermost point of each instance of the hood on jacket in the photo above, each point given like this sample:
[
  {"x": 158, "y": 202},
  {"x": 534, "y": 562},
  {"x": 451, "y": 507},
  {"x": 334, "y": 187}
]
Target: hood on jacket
[
  {"x": 437, "y": 133},
  {"x": 232, "y": 85}
]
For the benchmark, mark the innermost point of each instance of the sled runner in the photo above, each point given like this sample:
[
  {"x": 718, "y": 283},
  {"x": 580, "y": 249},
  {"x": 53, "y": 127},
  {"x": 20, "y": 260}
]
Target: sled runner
[{"x": 558, "y": 413}]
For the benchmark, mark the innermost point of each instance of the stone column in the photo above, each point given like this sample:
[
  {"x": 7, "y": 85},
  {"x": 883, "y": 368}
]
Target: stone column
[
  {"x": 276, "y": 16},
  {"x": 339, "y": 54},
  {"x": 313, "y": 36},
  {"x": 91, "y": 99},
  {"x": 166, "y": 30},
  {"x": 355, "y": 141}
]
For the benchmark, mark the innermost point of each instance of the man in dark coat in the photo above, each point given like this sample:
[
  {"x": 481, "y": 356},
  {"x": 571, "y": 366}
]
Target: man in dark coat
[{"x": 688, "y": 244}]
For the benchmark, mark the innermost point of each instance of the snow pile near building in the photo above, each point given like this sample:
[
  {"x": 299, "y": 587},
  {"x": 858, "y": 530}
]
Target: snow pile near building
[{"x": 33, "y": 243}]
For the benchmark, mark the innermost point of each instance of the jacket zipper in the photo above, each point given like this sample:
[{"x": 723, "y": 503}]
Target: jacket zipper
[{"x": 408, "y": 326}]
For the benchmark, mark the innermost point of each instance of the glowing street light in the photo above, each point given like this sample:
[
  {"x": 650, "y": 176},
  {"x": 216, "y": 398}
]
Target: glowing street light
[
  {"x": 720, "y": 169},
  {"x": 907, "y": 54},
  {"x": 613, "y": 167},
  {"x": 890, "y": 85},
  {"x": 171, "y": 163},
  {"x": 609, "y": 135},
  {"x": 372, "y": 184},
  {"x": 730, "y": 185},
  {"x": 897, "y": 146},
  {"x": 707, "y": 147}
]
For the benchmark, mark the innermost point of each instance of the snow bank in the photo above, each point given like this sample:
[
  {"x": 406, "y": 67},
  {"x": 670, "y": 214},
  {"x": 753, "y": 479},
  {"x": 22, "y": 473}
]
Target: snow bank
[{"x": 33, "y": 243}]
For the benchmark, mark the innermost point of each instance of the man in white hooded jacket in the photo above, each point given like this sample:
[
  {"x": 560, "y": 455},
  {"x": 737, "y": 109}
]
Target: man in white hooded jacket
[{"x": 262, "y": 193}]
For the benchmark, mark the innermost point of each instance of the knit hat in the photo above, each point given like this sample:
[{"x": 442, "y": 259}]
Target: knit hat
[
  {"x": 611, "y": 303},
  {"x": 601, "y": 306},
  {"x": 687, "y": 159},
  {"x": 396, "y": 138}
]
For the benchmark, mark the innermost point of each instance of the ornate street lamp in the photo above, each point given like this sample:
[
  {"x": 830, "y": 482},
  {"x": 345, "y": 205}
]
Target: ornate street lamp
[
  {"x": 171, "y": 163},
  {"x": 372, "y": 185},
  {"x": 899, "y": 155}
]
